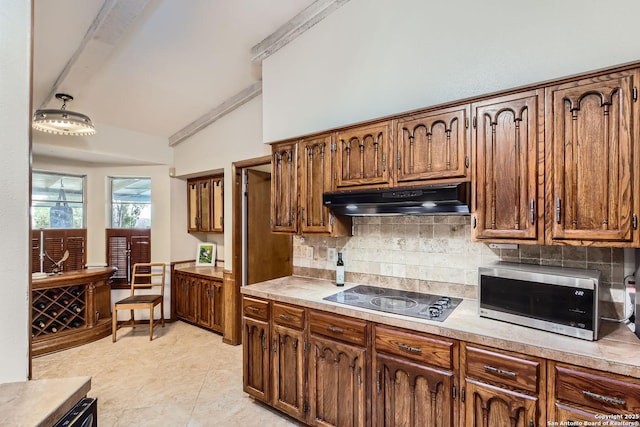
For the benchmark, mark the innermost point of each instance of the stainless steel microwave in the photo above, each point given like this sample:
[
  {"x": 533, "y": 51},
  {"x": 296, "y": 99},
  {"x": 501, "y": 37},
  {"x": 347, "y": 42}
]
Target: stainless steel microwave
[{"x": 554, "y": 299}]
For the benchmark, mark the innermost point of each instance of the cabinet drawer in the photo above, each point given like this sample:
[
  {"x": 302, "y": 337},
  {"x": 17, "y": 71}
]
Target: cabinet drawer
[
  {"x": 255, "y": 308},
  {"x": 338, "y": 327},
  {"x": 424, "y": 348},
  {"x": 518, "y": 371},
  {"x": 610, "y": 393},
  {"x": 287, "y": 315}
]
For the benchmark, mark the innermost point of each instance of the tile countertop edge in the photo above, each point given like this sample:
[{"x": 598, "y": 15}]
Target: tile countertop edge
[
  {"x": 616, "y": 351},
  {"x": 40, "y": 402}
]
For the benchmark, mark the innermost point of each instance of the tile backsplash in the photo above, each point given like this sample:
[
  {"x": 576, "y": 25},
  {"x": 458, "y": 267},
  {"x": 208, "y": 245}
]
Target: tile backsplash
[{"x": 415, "y": 252}]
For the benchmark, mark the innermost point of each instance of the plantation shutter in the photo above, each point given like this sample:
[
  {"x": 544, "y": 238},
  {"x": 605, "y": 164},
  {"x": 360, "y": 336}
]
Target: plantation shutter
[
  {"x": 56, "y": 242},
  {"x": 125, "y": 247}
]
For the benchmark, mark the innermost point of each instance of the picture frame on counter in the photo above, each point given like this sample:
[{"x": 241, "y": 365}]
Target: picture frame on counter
[{"x": 206, "y": 255}]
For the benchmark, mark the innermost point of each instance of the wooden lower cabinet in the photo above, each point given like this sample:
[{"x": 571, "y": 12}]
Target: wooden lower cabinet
[
  {"x": 581, "y": 394},
  {"x": 288, "y": 370},
  {"x": 199, "y": 300},
  {"x": 411, "y": 394},
  {"x": 255, "y": 347},
  {"x": 490, "y": 406},
  {"x": 337, "y": 383},
  {"x": 326, "y": 369},
  {"x": 183, "y": 290}
]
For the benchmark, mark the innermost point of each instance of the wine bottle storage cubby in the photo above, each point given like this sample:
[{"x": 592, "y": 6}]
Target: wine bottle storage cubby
[{"x": 58, "y": 309}]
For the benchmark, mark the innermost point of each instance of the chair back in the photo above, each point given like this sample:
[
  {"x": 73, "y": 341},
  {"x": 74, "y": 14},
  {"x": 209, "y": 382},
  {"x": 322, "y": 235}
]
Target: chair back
[{"x": 148, "y": 275}]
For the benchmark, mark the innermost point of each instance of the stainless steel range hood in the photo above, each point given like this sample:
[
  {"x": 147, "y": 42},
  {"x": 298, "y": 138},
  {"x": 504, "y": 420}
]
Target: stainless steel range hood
[{"x": 450, "y": 199}]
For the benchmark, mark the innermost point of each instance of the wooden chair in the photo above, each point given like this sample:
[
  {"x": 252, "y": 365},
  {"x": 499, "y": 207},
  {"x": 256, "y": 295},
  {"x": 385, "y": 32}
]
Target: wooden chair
[{"x": 145, "y": 276}]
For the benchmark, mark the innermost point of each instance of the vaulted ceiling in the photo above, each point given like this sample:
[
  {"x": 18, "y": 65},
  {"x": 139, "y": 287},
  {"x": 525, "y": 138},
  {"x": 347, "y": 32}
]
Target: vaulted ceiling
[{"x": 159, "y": 67}]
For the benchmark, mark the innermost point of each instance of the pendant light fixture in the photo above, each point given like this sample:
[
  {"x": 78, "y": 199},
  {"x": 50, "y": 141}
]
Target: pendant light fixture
[{"x": 63, "y": 121}]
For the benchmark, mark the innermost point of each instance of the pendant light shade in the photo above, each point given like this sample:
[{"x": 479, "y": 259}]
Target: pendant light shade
[{"x": 63, "y": 121}]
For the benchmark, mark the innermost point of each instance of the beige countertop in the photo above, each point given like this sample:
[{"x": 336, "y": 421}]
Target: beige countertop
[
  {"x": 617, "y": 350},
  {"x": 215, "y": 272},
  {"x": 40, "y": 402}
]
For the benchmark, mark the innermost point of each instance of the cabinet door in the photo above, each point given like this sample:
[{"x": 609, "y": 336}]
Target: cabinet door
[
  {"x": 204, "y": 299},
  {"x": 288, "y": 370},
  {"x": 193, "y": 204},
  {"x": 217, "y": 194},
  {"x": 569, "y": 414},
  {"x": 489, "y": 406},
  {"x": 217, "y": 314},
  {"x": 361, "y": 156},
  {"x": 255, "y": 347},
  {"x": 185, "y": 294},
  {"x": 432, "y": 146},
  {"x": 284, "y": 187},
  {"x": 590, "y": 157},
  {"x": 412, "y": 395},
  {"x": 205, "y": 205},
  {"x": 315, "y": 179},
  {"x": 336, "y": 384},
  {"x": 508, "y": 148}
]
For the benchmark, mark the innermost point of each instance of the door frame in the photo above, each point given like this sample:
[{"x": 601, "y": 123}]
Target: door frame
[{"x": 235, "y": 300}]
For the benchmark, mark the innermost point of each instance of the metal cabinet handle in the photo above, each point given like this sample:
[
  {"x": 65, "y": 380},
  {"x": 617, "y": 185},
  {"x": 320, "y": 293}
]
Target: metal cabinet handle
[
  {"x": 335, "y": 329},
  {"x": 499, "y": 371},
  {"x": 378, "y": 381},
  {"x": 264, "y": 343},
  {"x": 254, "y": 309},
  {"x": 602, "y": 398},
  {"x": 558, "y": 209},
  {"x": 409, "y": 348},
  {"x": 275, "y": 345},
  {"x": 532, "y": 211},
  {"x": 286, "y": 317}
]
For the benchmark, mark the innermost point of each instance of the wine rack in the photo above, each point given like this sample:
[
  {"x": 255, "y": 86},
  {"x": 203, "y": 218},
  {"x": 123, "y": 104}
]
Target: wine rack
[{"x": 57, "y": 310}]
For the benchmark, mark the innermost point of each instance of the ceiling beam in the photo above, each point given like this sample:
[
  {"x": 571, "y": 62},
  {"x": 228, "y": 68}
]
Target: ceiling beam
[
  {"x": 113, "y": 20},
  {"x": 296, "y": 26},
  {"x": 226, "y": 107}
]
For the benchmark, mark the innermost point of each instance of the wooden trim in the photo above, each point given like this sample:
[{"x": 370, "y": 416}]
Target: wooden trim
[
  {"x": 232, "y": 279},
  {"x": 232, "y": 310}
]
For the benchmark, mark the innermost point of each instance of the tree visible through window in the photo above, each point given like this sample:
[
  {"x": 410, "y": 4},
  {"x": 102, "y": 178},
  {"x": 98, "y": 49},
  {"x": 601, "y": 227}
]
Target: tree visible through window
[{"x": 130, "y": 202}]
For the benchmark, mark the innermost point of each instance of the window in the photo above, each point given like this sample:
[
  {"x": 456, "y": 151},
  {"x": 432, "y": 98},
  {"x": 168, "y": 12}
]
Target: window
[
  {"x": 57, "y": 200},
  {"x": 125, "y": 247},
  {"x": 130, "y": 202}
]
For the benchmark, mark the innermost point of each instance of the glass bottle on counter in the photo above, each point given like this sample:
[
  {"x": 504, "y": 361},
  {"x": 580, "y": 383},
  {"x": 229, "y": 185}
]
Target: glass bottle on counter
[{"x": 340, "y": 270}]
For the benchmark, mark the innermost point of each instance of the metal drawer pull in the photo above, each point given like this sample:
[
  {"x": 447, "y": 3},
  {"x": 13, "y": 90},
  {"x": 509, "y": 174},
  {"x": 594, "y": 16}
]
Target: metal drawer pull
[
  {"x": 604, "y": 398},
  {"x": 335, "y": 329},
  {"x": 286, "y": 317},
  {"x": 499, "y": 371},
  {"x": 409, "y": 348},
  {"x": 254, "y": 309}
]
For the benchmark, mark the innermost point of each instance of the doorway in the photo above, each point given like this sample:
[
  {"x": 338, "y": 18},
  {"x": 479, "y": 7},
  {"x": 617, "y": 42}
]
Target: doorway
[{"x": 265, "y": 255}]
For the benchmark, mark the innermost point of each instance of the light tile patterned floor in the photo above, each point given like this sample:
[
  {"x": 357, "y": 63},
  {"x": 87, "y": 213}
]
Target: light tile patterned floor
[{"x": 186, "y": 376}]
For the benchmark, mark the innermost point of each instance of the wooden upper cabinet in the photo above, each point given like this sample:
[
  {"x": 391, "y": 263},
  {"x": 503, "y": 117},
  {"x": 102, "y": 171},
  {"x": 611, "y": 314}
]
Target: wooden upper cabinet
[
  {"x": 591, "y": 159},
  {"x": 432, "y": 146},
  {"x": 315, "y": 178},
  {"x": 284, "y": 187},
  {"x": 362, "y": 156},
  {"x": 205, "y": 204},
  {"x": 508, "y": 146}
]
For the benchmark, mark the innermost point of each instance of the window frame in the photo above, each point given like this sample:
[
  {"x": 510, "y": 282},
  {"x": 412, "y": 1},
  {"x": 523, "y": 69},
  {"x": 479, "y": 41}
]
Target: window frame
[
  {"x": 111, "y": 179},
  {"x": 62, "y": 175}
]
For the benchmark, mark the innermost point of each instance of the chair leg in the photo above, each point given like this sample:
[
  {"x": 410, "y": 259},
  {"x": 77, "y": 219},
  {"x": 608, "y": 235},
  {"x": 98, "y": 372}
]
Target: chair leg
[
  {"x": 114, "y": 325},
  {"x": 162, "y": 312},
  {"x": 151, "y": 323},
  {"x": 133, "y": 320}
]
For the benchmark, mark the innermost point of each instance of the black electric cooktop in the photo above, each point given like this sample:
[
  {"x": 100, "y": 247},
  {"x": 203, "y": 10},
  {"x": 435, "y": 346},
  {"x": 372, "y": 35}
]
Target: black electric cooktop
[{"x": 397, "y": 301}]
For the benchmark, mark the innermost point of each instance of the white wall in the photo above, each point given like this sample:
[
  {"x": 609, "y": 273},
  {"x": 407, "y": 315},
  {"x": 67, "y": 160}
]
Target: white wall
[
  {"x": 15, "y": 118},
  {"x": 235, "y": 137},
  {"x": 373, "y": 58}
]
